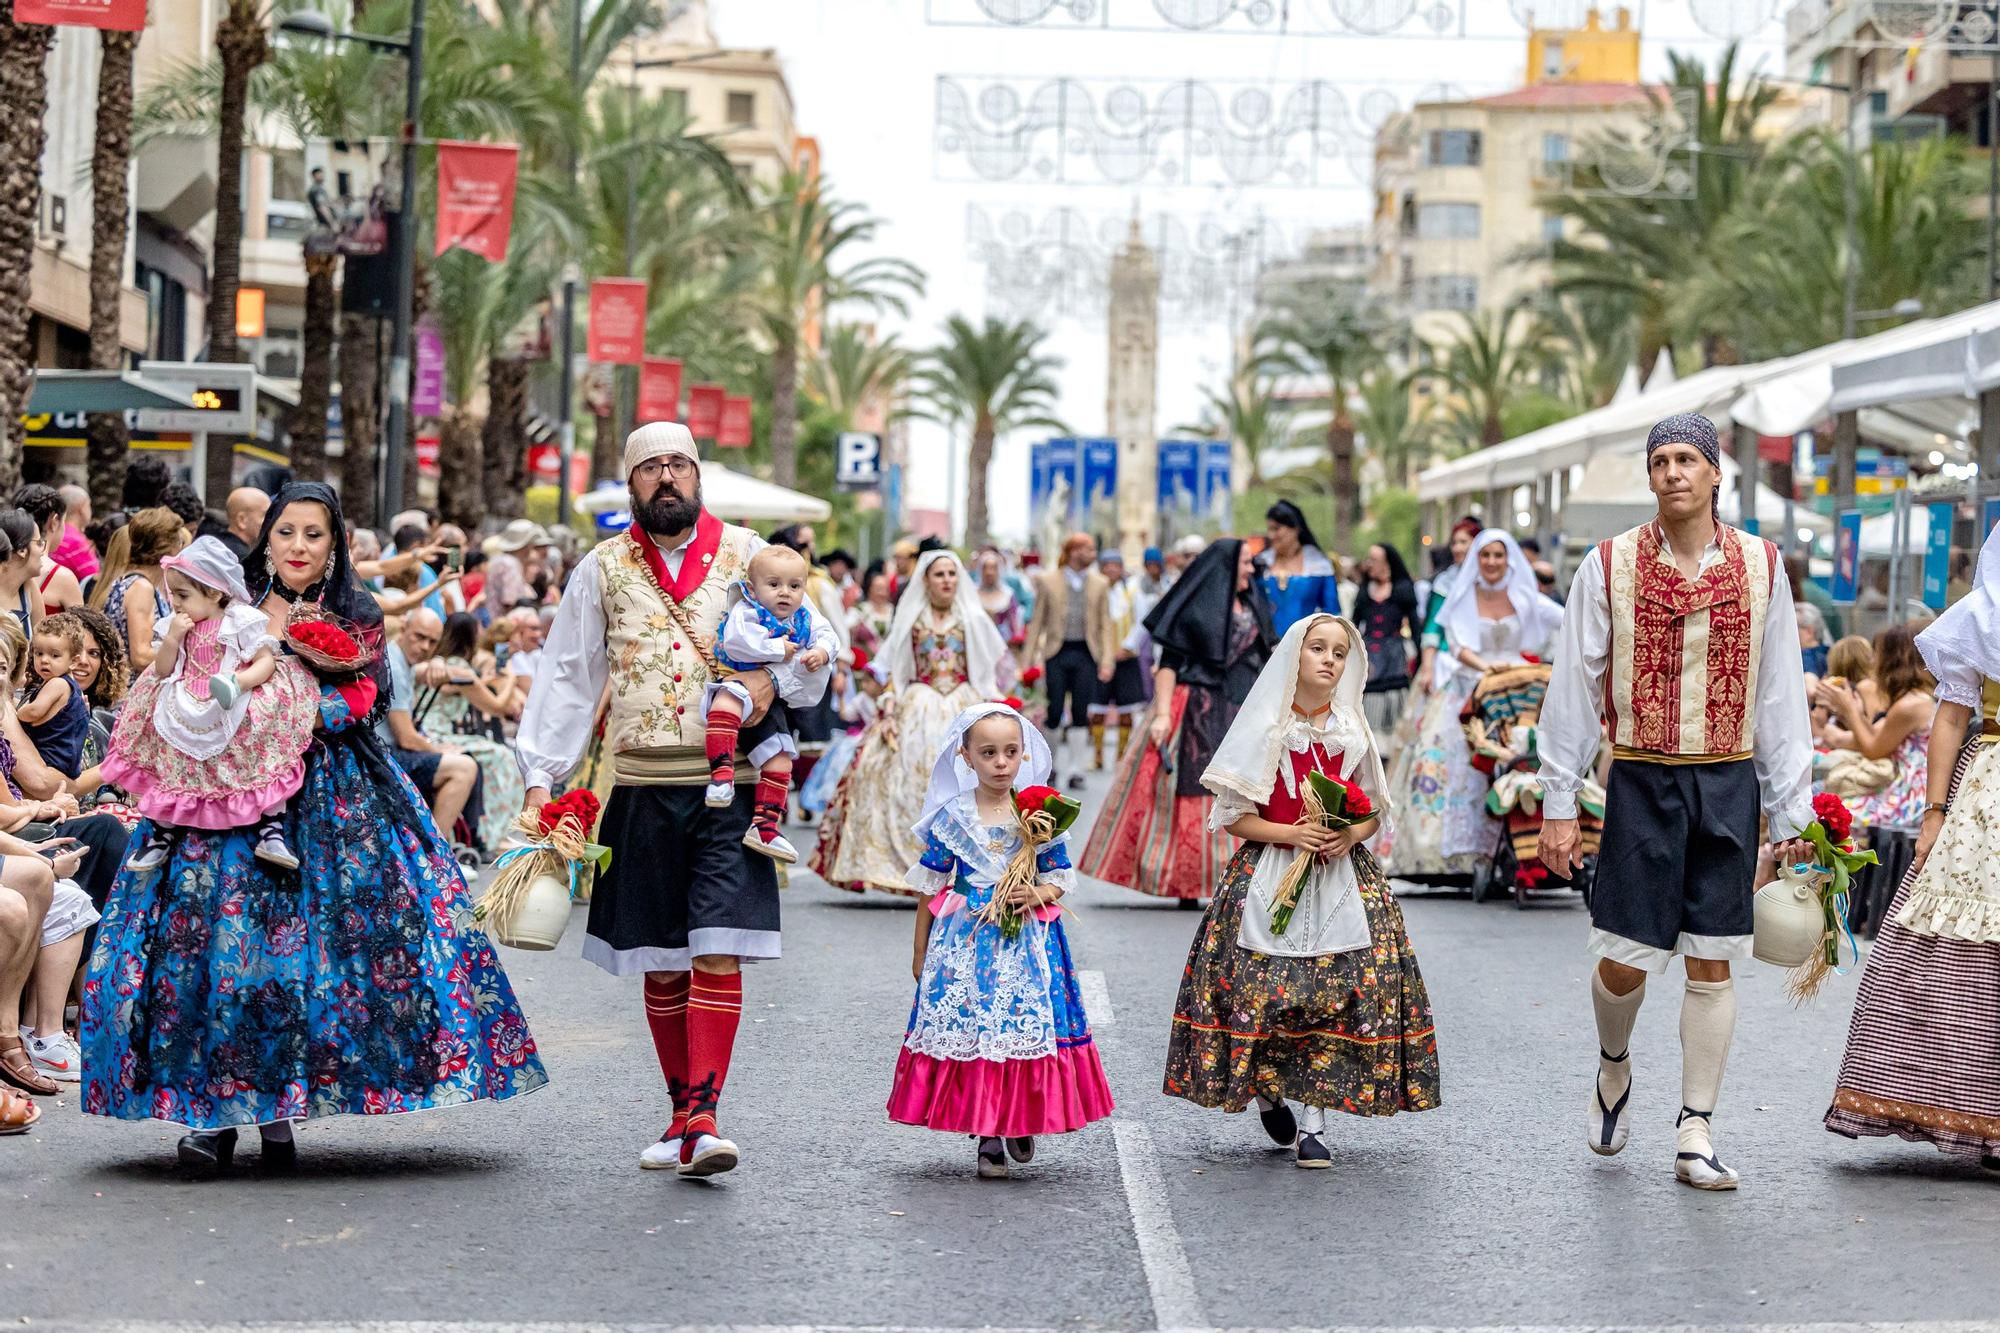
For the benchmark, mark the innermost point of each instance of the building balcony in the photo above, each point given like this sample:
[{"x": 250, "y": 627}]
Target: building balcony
[
  {"x": 1940, "y": 82},
  {"x": 175, "y": 181},
  {"x": 276, "y": 265}
]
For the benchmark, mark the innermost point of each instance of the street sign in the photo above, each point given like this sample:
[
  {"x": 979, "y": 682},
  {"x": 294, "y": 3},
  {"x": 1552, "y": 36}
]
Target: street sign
[
  {"x": 857, "y": 461},
  {"x": 1846, "y": 556},
  {"x": 1099, "y": 484},
  {"x": 1937, "y": 555},
  {"x": 225, "y": 397}
]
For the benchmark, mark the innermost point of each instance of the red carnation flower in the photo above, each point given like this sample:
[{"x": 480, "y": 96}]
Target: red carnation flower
[
  {"x": 1833, "y": 816},
  {"x": 1031, "y": 675},
  {"x": 1357, "y": 803},
  {"x": 1012, "y": 702},
  {"x": 1036, "y": 798}
]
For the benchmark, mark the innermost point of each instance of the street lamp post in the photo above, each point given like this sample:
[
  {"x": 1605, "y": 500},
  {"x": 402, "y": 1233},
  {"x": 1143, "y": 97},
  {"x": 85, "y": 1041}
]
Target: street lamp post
[{"x": 311, "y": 23}]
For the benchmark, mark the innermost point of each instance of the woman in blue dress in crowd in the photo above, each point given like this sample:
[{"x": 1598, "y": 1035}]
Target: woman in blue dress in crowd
[
  {"x": 225, "y": 992},
  {"x": 1298, "y": 578}
]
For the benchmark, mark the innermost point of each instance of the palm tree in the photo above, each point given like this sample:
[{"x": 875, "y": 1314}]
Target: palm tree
[
  {"x": 1487, "y": 358},
  {"x": 1637, "y": 249},
  {"x": 1395, "y": 423},
  {"x": 854, "y": 370},
  {"x": 994, "y": 378},
  {"x": 1333, "y": 342},
  {"x": 24, "y": 49},
  {"x": 1246, "y": 412},
  {"x": 110, "y": 202},
  {"x": 1779, "y": 265},
  {"x": 807, "y": 245},
  {"x": 241, "y": 45},
  {"x": 1591, "y": 342}
]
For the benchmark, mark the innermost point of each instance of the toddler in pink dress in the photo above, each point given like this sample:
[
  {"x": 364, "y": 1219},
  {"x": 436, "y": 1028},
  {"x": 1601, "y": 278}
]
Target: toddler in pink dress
[{"x": 214, "y": 735}]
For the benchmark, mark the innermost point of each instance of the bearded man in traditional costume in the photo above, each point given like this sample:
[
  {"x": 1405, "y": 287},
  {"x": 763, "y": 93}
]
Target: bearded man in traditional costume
[
  {"x": 683, "y": 902},
  {"x": 1680, "y": 635}
]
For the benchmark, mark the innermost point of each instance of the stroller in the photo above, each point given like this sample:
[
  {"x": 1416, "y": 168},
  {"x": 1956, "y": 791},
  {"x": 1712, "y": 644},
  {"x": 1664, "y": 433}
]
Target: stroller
[{"x": 1500, "y": 720}]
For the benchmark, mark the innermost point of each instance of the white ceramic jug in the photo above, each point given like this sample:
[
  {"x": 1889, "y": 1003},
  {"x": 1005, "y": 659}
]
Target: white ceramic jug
[
  {"x": 1791, "y": 924},
  {"x": 543, "y": 914}
]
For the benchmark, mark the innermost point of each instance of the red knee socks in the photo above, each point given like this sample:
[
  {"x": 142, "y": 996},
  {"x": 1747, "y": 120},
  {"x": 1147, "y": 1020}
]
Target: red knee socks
[
  {"x": 714, "y": 1004},
  {"x": 722, "y": 728},
  {"x": 768, "y": 808},
  {"x": 666, "y": 1015}
]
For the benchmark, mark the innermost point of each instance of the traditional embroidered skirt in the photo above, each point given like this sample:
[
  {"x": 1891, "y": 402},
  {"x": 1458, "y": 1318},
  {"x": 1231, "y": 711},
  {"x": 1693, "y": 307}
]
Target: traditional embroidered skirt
[
  {"x": 1442, "y": 828},
  {"x": 1348, "y": 1031},
  {"x": 998, "y": 1042},
  {"x": 1923, "y": 1048},
  {"x": 680, "y": 884},
  {"x": 1151, "y": 837}
]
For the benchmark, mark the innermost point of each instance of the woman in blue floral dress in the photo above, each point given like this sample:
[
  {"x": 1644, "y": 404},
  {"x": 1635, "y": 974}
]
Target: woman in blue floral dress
[{"x": 225, "y": 992}]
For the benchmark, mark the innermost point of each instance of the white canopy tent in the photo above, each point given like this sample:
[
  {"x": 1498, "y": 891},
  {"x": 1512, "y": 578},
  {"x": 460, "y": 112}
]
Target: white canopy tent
[
  {"x": 1612, "y": 497},
  {"x": 726, "y": 494},
  {"x": 1957, "y": 357},
  {"x": 1568, "y": 443}
]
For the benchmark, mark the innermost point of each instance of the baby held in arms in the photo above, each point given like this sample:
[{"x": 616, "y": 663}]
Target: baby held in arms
[{"x": 771, "y": 625}]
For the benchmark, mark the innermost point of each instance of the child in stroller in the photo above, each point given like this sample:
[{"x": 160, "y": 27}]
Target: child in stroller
[{"x": 1500, "y": 719}]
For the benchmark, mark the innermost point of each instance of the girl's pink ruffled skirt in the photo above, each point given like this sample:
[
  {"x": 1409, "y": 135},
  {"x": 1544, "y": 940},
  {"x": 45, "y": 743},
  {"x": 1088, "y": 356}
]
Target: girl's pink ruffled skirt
[{"x": 1001, "y": 1098}]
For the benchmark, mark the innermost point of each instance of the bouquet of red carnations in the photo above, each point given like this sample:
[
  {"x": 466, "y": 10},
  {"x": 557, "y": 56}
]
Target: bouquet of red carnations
[
  {"x": 535, "y": 883},
  {"x": 1044, "y": 815},
  {"x": 1832, "y": 835},
  {"x": 1331, "y": 802},
  {"x": 1034, "y": 695},
  {"x": 328, "y": 643}
]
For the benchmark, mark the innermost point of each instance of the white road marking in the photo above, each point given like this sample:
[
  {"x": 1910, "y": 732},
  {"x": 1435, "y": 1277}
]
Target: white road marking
[
  {"x": 1169, "y": 1280},
  {"x": 529, "y": 1325},
  {"x": 1096, "y": 998}
]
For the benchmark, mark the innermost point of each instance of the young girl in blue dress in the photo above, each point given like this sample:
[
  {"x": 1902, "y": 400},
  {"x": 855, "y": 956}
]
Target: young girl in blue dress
[{"x": 998, "y": 1045}]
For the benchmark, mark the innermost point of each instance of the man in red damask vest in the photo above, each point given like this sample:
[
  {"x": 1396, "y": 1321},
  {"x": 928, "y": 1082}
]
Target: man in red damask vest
[
  {"x": 1679, "y": 636},
  {"x": 682, "y": 901}
]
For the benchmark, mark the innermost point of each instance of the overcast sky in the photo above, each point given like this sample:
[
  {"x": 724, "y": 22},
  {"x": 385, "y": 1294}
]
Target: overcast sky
[{"x": 864, "y": 78}]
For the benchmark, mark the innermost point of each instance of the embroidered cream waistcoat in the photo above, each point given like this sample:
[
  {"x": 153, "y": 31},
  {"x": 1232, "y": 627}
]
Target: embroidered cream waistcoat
[{"x": 657, "y": 676}]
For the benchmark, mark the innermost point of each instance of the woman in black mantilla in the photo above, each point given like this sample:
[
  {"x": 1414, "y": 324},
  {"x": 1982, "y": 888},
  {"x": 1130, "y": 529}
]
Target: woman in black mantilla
[
  {"x": 225, "y": 992},
  {"x": 1212, "y": 631}
]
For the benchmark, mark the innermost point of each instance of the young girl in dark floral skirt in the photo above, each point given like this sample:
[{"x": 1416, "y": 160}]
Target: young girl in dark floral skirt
[{"x": 1324, "y": 1007}]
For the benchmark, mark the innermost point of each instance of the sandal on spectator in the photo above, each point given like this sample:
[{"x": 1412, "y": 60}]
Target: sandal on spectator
[
  {"x": 17, "y": 1069},
  {"x": 18, "y": 1113}
]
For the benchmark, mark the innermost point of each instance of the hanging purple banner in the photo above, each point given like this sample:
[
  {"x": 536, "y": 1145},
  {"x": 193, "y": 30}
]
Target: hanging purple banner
[{"x": 427, "y": 393}]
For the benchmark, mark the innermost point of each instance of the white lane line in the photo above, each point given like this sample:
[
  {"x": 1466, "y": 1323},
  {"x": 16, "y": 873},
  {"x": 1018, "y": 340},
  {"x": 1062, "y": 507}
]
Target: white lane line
[
  {"x": 1096, "y": 998},
  {"x": 531, "y": 1325},
  {"x": 1169, "y": 1280}
]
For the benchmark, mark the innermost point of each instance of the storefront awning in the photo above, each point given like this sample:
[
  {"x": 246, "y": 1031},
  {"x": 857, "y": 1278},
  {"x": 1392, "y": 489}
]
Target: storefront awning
[{"x": 100, "y": 391}]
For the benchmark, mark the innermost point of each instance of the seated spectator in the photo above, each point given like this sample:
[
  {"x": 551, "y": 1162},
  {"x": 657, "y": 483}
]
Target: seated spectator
[
  {"x": 131, "y": 589},
  {"x": 1886, "y": 726},
  {"x": 524, "y": 657},
  {"x": 60, "y": 588},
  {"x": 74, "y": 551},
  {"x": 445, "y": 775},
  {"x": 1812, "y": 641},
  {"x": 461, "y": 698},
  {"x": 243, "y": 519},
  {"x": 101, "y": 672},
  {"x": 1851, "y": 662},
  {"x": 147, "y": 477}
]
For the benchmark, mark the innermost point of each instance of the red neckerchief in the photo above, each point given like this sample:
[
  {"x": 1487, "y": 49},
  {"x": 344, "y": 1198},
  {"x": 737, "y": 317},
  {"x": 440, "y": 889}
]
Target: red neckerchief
[{"x": 695, "y": 561}]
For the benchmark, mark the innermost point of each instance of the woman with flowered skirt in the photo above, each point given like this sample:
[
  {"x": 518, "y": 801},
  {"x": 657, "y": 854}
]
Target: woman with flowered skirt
[
  {"x": 1923, "y": 1048},
  {"x": 225, "y": 992}
]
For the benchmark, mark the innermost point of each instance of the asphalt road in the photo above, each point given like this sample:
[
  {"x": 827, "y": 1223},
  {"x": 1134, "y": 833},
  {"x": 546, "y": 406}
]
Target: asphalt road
[{"x": 1485, "y": 1213}]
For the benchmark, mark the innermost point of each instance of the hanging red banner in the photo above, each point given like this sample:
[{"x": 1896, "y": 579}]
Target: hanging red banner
[
  {"x": 117, "y": 15},
  {"x": 705, "y": 411},
  {"x": 734, "y": 430},
  {"x": 618, "y": 320},
  {"x": 430, "y": 449},
  {"x": 475, "y": 208},
  {"x": 660, "y": 389}
]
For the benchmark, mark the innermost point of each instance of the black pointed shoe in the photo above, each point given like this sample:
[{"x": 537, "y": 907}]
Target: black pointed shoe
[
  {"x": 205, "y": 1156},
  {"x": 1313, "y": 1155},
  {"x": 278, "y": 1157},
  {"x": 1280, "y": 1124}
]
